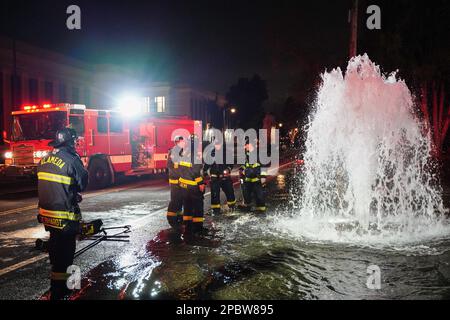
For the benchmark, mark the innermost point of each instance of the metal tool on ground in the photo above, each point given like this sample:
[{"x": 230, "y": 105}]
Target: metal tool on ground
[
  {"x": 119, "y": 236},
  {"x": 95, "y": 234}
]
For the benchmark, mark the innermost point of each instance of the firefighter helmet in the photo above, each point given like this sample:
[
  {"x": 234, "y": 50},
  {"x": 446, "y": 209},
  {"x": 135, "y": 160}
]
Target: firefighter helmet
[
  {"x": 178, "y": 139},
  {"x": 66, "y": 136}
]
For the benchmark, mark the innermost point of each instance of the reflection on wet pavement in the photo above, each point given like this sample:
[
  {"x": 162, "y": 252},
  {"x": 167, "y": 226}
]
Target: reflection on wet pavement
[{"x": 243, "y": 257}]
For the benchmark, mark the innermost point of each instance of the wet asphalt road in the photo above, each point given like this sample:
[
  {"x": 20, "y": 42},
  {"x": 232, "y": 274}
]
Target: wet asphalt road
[
  {"x": 24, "y": 271},
  {"x": 139, "y": 202},
  {"x": 236, "y": 260}
]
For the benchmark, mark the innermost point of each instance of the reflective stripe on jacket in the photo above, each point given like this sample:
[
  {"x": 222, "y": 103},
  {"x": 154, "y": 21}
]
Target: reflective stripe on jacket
[
  {"x": 61, "y": 175},
  {"x": 190, "y": 173},
  {"x": 173, "y": 164},
  {"x": 252, "y": 171}
]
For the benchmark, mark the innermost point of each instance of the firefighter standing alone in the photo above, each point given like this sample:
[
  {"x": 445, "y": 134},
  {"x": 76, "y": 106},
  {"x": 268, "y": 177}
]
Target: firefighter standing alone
[
  {"x": 61, "y": 176},
  {"x": 220, "y": 174},
  {"x": 174, "y": 211}
]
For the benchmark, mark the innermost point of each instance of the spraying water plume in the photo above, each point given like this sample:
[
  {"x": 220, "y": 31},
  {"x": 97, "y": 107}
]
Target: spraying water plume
[{"x": 368, "y": 171}]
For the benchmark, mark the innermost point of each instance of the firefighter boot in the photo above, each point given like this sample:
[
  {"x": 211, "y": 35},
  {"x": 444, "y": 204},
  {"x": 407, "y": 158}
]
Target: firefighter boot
[
  {"x": 174, "y": 211},
  {"x": 260, "y": 198},
  {"x": 197, "y": 219},
  {"x": 215, "y": 196},
  {"x": 58, "y": 286},
  {"x": 247, "y": 192},
  {"x": 61, "y": 249},
  {"x": 227, "y": 186},
  {"x": 173, "y": 218}
]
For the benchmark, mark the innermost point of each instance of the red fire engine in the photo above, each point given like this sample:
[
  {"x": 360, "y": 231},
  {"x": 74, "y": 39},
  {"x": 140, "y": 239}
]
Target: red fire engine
[{"x": 109, "y": 143}]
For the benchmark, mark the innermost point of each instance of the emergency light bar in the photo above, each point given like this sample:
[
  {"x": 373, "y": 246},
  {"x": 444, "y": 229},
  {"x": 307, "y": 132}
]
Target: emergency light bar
[{"x": 56, "y": 105}]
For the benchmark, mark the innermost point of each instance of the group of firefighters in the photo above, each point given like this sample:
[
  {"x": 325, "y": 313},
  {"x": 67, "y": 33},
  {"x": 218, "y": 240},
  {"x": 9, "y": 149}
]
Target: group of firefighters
[
  {"x": 188, "y": 176},
  {"x": 62, "y": 176}
]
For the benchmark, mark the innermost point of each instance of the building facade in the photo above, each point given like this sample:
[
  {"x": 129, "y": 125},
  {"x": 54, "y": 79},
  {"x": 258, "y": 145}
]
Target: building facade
[
  {"x": 30, "y": 75},
  {"x": 34, "y": 76},
  {"x": 163, "y": 99}
]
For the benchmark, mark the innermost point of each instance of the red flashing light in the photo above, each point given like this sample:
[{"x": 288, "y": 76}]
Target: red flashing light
[
  {"x": 29, "y": 107},
  {"x": 34, "y": 108}
]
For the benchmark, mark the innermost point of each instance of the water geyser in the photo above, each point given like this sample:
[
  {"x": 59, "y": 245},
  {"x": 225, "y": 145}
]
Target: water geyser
[{"x": 368, "y": 171}]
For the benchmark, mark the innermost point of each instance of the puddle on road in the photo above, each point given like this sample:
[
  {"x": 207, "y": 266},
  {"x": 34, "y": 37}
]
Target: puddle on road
[{"x": 125, "y": 214}]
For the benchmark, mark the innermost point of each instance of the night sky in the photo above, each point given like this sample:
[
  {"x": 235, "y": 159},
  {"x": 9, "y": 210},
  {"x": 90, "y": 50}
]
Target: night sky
[{"x": 205, "y": 43}]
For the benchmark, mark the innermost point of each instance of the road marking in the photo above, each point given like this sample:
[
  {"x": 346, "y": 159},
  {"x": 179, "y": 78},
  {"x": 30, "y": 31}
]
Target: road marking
[
  {"x": 22, "y": 264},
  {"x": 87, "y": 196},
  {"x": 4, "y": 213},
  {"x": 27, "y": 233}
]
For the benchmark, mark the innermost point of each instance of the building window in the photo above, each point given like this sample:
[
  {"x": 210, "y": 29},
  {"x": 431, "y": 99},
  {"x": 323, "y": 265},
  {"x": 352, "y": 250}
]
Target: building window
[
  {"x": 75, "y": 95},
  {"x": 33, "y": 91},
  {"x": 160, "y": 103},
  {"x": 62, "y": 93},
  {"x": 48, "y": 91},
  {"x": 147, "y": 106}
]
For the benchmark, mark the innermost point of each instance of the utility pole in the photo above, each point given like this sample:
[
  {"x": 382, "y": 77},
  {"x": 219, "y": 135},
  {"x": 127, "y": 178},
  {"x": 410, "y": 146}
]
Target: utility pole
[
  {"x": 225, "y": 126},
  {"x": 14, "y": 82},
  {"x": 353, "y": 20}
]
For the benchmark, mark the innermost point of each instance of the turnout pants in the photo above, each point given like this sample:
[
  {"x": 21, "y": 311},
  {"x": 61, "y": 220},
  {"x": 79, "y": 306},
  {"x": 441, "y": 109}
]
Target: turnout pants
[
  {"x": 61, "y": 249},
  {"x": 193, "y": 208},
  {"x": 255, "y": 190},
  {"x": 227, "y": 186},
  {"x": 174, "y": 211}
]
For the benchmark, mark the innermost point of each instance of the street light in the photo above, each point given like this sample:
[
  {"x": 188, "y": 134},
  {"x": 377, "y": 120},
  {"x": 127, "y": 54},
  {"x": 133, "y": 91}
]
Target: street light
[{"x": 232, "y": 110}]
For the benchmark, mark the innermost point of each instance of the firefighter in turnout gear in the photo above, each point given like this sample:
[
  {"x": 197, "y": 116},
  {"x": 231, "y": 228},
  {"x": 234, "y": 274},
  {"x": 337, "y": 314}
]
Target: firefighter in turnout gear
[
  {"x": 193, "y": 186},
  {"x": 220, "y": 174},
  {"x": 253, "y": 178},
  {"x": 174, "y": 211},
  {"x": 61, "y": 176}
]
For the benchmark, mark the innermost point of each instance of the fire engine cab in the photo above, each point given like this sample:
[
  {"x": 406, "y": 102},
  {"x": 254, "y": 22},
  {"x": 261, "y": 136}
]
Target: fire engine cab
[{"x": 109, "y": 143}]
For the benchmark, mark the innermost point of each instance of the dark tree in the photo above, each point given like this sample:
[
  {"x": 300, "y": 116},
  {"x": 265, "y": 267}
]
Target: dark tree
[
  {"x": 293, "y": 113},
  {"x": 248, "y": 96},
  {"x": 414, "y": 39}
]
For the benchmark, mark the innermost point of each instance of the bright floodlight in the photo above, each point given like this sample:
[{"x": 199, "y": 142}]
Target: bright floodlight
[{"x": 130, "y": 105}]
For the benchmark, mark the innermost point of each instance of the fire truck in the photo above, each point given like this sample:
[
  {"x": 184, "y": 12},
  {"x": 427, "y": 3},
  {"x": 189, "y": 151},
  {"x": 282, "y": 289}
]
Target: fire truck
[{"x": 109, "y": 143}]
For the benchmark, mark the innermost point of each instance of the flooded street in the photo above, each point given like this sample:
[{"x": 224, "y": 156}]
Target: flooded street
[{"x": 246, "y": 256}]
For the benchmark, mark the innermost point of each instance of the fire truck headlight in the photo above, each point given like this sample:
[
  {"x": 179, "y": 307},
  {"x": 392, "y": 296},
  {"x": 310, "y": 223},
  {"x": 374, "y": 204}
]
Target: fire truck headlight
[
  {"x": 130, "y": 105},
  {"x": 8, "y": 155}
]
